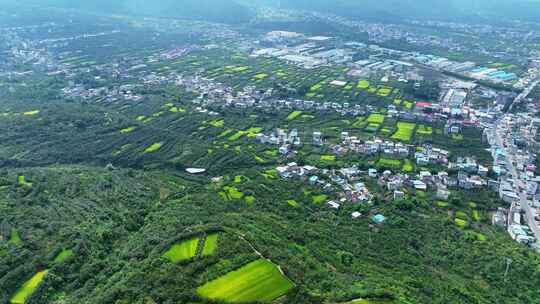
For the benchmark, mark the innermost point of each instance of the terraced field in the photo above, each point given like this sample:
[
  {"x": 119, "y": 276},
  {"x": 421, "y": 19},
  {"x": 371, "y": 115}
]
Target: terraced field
[{"x": 259, "y": 281}]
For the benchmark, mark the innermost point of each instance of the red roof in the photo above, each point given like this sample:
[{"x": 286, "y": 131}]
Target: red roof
[{"x": 423, "y": 104}]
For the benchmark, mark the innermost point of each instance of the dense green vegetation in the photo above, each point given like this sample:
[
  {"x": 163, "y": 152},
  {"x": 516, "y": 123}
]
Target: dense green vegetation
[
  {"x": 96, "y": 205},
  {"x": 136, "y": 216}
]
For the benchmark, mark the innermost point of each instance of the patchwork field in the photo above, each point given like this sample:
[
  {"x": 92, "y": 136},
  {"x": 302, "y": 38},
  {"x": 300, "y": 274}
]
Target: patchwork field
[
  {"x": 404, "y": 131},
  {"x": 210, "y": 245},
  {"x": 182, "y": 251},
  {"x": 375, "y": 118},
  {"x": 257, "y": 281},
  {"x": 28, "y": 288}
]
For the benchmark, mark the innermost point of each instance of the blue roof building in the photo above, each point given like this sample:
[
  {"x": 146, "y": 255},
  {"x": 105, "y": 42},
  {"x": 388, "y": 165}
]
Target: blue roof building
[{"x": 379, "y": 218}]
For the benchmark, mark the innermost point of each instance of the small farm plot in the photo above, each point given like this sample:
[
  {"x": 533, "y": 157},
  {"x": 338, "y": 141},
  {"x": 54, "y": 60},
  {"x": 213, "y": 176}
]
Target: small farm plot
[
  {"x": 258, "y": 281},
  {"x": 28, "y": 288},
  {"x": 375, "y": 118},
  {"x": 424, "y": 130},
  {"x": 182, "y": 251},
  {"x": 210, "y": 244},
  {"x": 405, "y": 131},
  {"x": 389, "y": 163}
]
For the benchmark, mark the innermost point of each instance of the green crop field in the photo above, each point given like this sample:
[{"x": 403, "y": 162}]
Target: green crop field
[
  {"x": 460, "y": 222},
  {"x": 407, "y": 166},
  {"x": 23, "y": 182},
  {"x": 294, "y": 115},
  {"x": 424, "y": 130},
  {"x": 375, "y": 118},
  {"x": 182, "y": 251},
  {"x": 384, "y": 91},
  {"x": 233, "y": 192},
  {"x": 405, "y": 131},
  {"x": 128, "y": 130},
  {"x": 372, "y": 127},
  {"x": 292, "y": 203},
  {"x": 31, "y": 113},
  {"x": 328, "y": 158},
  {"x": 385, "y": 162},
  {"x": 318, "y": 199},
  {"x": 259, "y": 281},
  {"x": 64, "y": 254},
  {"x": 210, "y": 245},
  {"x": 153, "y": 148},
  {"x": 28, "y": 288},
  {"x": 363, "y": 84},
  {"x": 15, "y": 238}
]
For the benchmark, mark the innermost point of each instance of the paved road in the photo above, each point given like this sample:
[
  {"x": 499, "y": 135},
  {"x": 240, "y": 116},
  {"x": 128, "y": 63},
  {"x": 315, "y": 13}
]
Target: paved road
[
  {"x": 529, "y": 212},
  {"x": 524, "y": 94}
]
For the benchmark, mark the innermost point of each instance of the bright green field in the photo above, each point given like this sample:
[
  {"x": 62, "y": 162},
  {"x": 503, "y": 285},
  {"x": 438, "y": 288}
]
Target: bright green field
[
  {"x": 28, "y": 288},
  {"x": 407, "y": 166},
  {"x": 257, "y": 281},
  {"x": 15, "y": 238},
  {"x": 233, "y": 192},
  {"x": 31, "y": 113},
  {"x": 153, "y": 148},
  {"x": 328, "y": 157},
  {"x": 66, "y": 253},
  {"x": 375, "y": 118},
  {"x": 210, "y": 244},
  {"x": 182, "y": 251},
  {"x": 405, "y": 131},
  {"x": 363, "y": 84},
  {"x": 319, "y": 199},
  {"x": 385, "y": 162},
  {"x": 23, "y": 182},
  {"x": 294, "y": 115},
  {"x": 128, "y": 130}
]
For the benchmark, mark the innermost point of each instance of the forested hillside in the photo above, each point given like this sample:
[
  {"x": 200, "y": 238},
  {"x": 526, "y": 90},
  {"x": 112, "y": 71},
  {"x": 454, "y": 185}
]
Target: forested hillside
[{"x": 102, "y": 234}]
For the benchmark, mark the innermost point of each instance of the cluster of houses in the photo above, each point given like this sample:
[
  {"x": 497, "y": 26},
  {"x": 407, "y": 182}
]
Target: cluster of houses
[
  {"x": 345, "y": 181},
  {"x": 285, "y": 140}
]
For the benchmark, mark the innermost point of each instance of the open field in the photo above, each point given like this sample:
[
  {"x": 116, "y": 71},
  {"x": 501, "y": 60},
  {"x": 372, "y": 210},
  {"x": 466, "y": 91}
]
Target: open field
[
  {"x": 407, "y": 166},
  {"x": 182, "y": 251},
  {"x": 294, "y": 115},
  {"x": 210, "y": 244},
  {"x": 232, "y": 193},
  {"x": 257, "y": 281},
  {"x": 393, "y": 163},
  {"x": 28, "y": 288},
  {"x": 153, "y": 148},
  {"x": 23, "y": 182},
  {"x": 328, "y": 158},
  {"x": 15, "y": 238},
  {"x": 405, "y": 131},
  {"x": 375, "y": 118},
  {"x": 64, "y": 254},
  {"x": 424, "y": 130}
]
